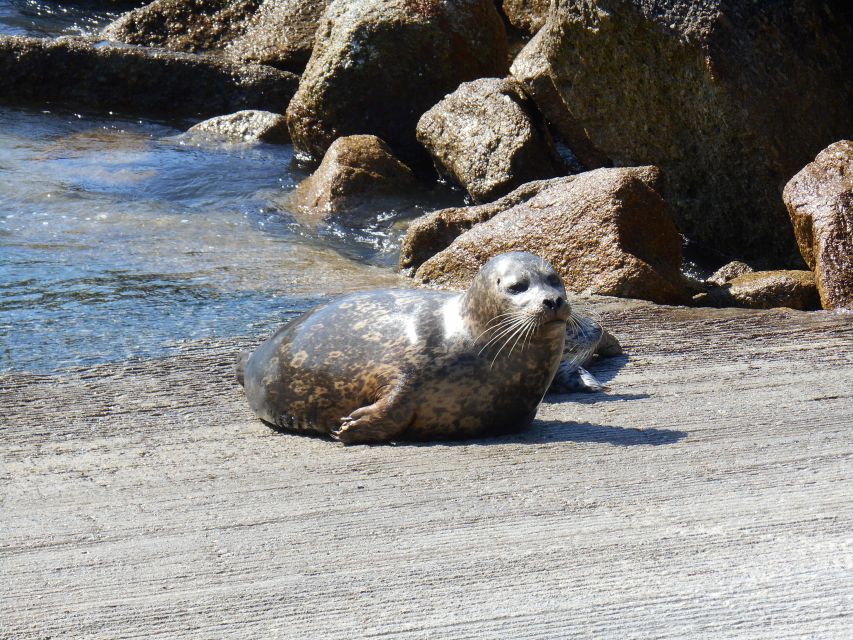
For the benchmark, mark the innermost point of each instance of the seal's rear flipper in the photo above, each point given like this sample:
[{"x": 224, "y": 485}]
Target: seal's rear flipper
[{"x": 240, "y": 369}]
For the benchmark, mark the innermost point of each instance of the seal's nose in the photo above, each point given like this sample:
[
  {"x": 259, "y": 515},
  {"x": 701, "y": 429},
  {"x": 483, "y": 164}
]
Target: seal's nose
[{"x": 554, "y": 303}]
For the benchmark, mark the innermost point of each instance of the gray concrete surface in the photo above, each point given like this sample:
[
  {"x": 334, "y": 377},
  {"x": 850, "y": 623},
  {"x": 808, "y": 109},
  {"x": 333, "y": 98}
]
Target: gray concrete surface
[{"x": 708, "y": 495}]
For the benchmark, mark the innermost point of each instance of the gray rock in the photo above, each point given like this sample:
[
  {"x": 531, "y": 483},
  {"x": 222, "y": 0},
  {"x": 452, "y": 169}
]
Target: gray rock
[
  {"x": 820, "y": 202},
  {"x": 730, "y": 99},
  {"x": 281, "y": 34},
  {"x": 528, "y": 16},
  {"x": 183, "y": 25},
  {"x": 729, "y": 272},
  {"x": 77, "y": 72},
  {"x": 377, "y": 65},
  {"x": 484, "y": 137},
  {"x": 246, "y": 126}
]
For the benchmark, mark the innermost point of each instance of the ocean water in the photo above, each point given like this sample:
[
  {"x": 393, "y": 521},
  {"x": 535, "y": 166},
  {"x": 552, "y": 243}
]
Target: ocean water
[
  {"x": 123, "y": 238},
  {"x": 40, "y": 19}
]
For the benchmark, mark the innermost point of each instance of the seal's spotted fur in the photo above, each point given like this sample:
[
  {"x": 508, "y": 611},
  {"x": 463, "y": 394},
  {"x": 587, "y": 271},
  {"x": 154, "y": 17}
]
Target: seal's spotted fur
[{"x": 405, "y": 364}]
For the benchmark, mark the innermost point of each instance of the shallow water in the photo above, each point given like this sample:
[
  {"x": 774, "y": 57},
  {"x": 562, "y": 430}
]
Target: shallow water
[
  {"x": 40, "y": 18},
  {"x": 122, "y": 238}
]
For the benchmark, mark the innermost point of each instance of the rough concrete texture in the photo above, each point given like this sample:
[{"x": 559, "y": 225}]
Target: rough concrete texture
[
  {"x": 183, "y": 25},
  {"x": 820, "y": 202},
  {"x": 281, "y": 34},
  {"x": 766, "y": 290},
  {"x": 76, "y": 72},
  {"x": 706, "y": 496},
  {"x": 606, "y": 231},
  {"x": 246, "y": 126},
  {"x": 729, "y": 98},
  {"x": 378, "y": 65},
  {"x": 488, "y": 137},
  {"x": 355, "y": 171}
]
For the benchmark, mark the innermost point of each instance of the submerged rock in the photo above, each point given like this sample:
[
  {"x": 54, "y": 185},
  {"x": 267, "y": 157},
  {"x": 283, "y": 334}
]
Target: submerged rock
[
  {"x": 484, "y": 137},
  {"x": 281, "y": 34},
  {"x": 77, "y": 72},
  {"x": 767, "y": 290},
  {"x": 820, "y": 202},
  {"x": 378, "y": 65},
  {"x": 729, "y": 98},
  {"x": 606, "y": 231},
  {"x": 246, "y": 126},
  {"x": 356, "y": 172},
  {"x": 183, "y": 25}
]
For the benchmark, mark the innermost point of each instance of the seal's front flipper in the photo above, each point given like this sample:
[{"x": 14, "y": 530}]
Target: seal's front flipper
[
  {"x": 572, "y": 379},
  {"x": 382, "y": 421}
]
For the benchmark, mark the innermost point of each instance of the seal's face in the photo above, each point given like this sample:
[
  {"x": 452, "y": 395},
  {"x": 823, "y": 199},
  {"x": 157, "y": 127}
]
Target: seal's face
[{"x": 517, "y": 296}]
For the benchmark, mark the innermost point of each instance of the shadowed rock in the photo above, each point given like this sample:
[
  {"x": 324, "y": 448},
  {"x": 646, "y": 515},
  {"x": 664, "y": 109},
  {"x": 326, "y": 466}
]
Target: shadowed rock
[
  {"x": 729, "y": 98},
  {"x": 485, "y": 137},
  {"x": 766, "y": 290},
  {"x": 378, "y": 65},
  {"x": 528, "y": 16},
  {"x": 246, "y": 126},
  {"x": 606, "y": 231},
  {"x": 75, "y": 72},
  {"x": 355, "y": 172},
  {"x": 729, "y": 272},
  {"x": 820, "y": 201}
]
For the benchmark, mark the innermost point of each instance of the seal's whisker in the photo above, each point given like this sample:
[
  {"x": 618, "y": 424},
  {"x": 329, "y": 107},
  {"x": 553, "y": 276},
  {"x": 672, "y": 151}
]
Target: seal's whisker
[
  {"x": 504, "y": 331},
  {"x": 506, "y": 342},
  {"x": 531, "y": 322}
]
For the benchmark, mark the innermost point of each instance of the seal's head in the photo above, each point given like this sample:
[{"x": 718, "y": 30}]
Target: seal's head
[{"x": 517, "y": 293}]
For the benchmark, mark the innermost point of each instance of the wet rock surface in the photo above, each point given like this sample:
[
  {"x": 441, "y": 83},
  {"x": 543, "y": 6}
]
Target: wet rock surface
[
  {"x": 356, "y": 172},
  {"x": 77, "y": 72},
  {"x": 794, "y": 289},
  {"x": 280, "y": 34},
  {"x": 820, "y": 202},
  {"x": 729, "y": 272},
  {"x": 487, "y": 137},
  {"x": 246, "y": 126},
  {"x": 183, "y": 25},
  {"x": 378, "y": 66},
  {"x": 698, "y": 89},
  {"x": 606, "y": 231}
]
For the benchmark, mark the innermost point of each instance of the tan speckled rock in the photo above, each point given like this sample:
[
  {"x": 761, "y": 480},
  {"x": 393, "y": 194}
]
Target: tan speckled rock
[
  {"x": 488, "y": 137},
  {"x": 606, "y": 231},
  {"x": 729, "y": 98},
  {"x": 355, "y": 171},
  {"x": 729, "y": 272},
  {"x": 527, "y": 16},
  {"x": 378, "y": 65},
  {"x": 820, "y": 201},
  {"x": 766, "y": 290}
]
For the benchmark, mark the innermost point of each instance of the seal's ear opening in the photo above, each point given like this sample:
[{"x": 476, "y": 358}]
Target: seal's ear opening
[{"x": 240, "y": 369}]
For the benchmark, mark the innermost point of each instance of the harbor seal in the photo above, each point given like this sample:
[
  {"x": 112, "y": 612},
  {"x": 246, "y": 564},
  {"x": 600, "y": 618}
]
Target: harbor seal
[{"x": 393, "y": 364}]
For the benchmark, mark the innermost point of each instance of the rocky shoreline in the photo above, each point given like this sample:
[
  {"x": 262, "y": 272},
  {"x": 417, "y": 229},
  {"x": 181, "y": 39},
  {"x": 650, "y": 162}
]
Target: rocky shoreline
[{"x": 600, "y": 134}]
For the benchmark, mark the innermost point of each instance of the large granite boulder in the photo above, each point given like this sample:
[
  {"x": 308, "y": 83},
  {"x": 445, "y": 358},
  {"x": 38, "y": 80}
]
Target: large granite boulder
[
  {"x": 606, "y": 231},
  {"x": 729, "y": 97},
  {"x": 281, "y": 34},
  {"x": 820, "y": 201},
  {"x": 77, "y": 73},
  {"x": 794, "y": 289},
  {"x": 357, "y": 172},
  {"x": 377, "y": 65},
  {"x": 183, "y": 25},
  {"x": 486, "y": 137}
]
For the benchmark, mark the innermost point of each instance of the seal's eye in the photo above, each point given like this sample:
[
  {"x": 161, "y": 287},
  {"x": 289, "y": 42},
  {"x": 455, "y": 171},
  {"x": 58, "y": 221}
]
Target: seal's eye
[
  {"x": 554, "y": 280},
  {"x": 519, "y": 287}
]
